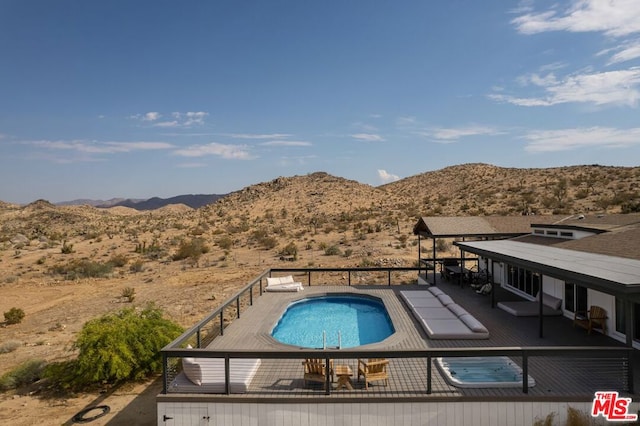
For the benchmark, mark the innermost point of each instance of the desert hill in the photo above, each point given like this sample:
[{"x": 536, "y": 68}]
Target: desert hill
[
  {"x": 482, "y": 189},
  {"x": 64, "y": 265}
]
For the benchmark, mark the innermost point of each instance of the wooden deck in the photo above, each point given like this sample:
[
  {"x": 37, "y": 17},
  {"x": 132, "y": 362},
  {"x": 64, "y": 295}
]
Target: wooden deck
[{"x": 563, "y": 379}]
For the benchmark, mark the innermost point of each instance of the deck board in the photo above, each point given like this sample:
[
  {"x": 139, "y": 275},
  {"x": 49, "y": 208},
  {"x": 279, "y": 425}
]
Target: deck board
[{"x": 555, "y": 377}]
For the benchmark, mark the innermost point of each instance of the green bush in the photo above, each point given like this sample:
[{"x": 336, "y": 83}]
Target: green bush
[
  {"x": 24, "y": 374},
  {"x": 191, "y": 249},
  {"x": 83, "y": 268},
  {"x": 14, "y": 316},
  {"x": 332, "y": 251},
  {"x": 122, "y": 346}
]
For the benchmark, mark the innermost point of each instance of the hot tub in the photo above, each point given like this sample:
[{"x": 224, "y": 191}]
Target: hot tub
[{"x": 482, "y": 372}]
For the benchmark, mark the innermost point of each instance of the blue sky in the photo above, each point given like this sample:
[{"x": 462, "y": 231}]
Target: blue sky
[{"x": 102, "y": 99}]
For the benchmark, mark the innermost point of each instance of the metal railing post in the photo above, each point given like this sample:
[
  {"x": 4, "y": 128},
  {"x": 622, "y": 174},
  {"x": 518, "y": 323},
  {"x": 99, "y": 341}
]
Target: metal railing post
[
  {"x": 630, "y": 378},
  {"x": 238, "y": 307},
  {"x": 251, "y": 296},
  {"x": 165, "y": 372},
  {"x": 429, "y": 375},
  {"x": 198, "y": 339},
  {"x": 525, "y": 372},
  {"x": 222, "y": 322},
  {"x": 389, "y": 279},
  {"x": 327, "y": 372},
  {"x": 349, "y": 277},
  {"x": 227, "y": 388}
]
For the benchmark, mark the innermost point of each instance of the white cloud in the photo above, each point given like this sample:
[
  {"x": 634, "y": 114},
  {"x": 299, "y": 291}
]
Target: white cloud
[
  {"x": 191, "y": 165},
  {"x": 405, "y": 121},
  {"x": 151, "y": 116},
  {"x": 612, "y": 17},
  {"x": 452, "y": 134},
  {"x": 625, "y": 52},
  {"x": 604, "y": 88},
  {"x": 180, "y": 119},
  {"x": 231, "y": 152},
  {"x": 167, "y": 124},
  {"x": 460, "y": 132},
  {"x": 368, "y": 137},
  {"x": 95, "y": 147},
  {"x": 387, "y": 177},
  {"x": 286, "y": 143},
  {"x": 572, "y": 139},
  {"x": 258, "y": 136}
]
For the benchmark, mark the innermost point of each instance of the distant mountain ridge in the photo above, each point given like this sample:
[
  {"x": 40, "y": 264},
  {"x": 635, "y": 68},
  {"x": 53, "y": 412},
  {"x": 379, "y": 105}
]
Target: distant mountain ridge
[{"x": 192, "y": 200}]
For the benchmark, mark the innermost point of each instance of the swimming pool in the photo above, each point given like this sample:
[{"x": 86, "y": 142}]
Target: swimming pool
[
  {"x": 482, "y": 372},
  {"x": 344, "y": 321}
]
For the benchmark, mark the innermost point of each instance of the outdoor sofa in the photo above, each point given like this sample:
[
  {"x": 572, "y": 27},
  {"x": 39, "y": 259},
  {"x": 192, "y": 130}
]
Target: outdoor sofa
[
  {"x": 206, "y": 375},
  {"x": 285, "y": 283},
  {"x": 441, "y": 317}
]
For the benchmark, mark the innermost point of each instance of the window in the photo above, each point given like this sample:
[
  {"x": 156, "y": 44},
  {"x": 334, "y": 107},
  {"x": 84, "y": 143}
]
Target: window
[
  {"x": 552, "y": 232},
  {"x": 620, "y": 320},
  {"x": 575, "y": 297},
  {"x": 538, "y": 231},
  {"x": 523, "y": 280},
  {"x": 566, "y": 234}
]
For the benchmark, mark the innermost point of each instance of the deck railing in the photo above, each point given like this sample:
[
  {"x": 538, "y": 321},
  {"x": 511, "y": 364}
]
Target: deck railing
[{"x": 203, "y": 333}]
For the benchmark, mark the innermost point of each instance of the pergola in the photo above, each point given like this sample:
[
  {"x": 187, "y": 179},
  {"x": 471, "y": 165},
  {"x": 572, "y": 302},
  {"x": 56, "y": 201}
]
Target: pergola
[{"x": 470, "y": 228}]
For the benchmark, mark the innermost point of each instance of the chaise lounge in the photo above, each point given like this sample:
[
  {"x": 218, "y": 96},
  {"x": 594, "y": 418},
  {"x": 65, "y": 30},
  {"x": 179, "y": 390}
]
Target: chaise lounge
[{"x": 551, "y": 306}]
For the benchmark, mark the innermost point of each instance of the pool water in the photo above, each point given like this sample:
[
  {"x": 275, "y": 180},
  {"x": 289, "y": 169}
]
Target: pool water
[
  {"x": 358, "y": 320},
  {"x": 482, "y": 372}
]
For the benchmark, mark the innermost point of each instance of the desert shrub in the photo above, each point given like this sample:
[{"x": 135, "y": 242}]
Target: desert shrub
[
  {"x": 348, "y": 252},
  {"x": 24, "y": 374},
  {"x": 119, "y": 260},
  {"x": 41, "y": 260},
  {"x": 9, "y": 346},
  {"x": 136, "y": 266},
  {"x": 290, "y": 249},
  {"x": 225, "y": 243},
  {"x": 332, "y": 251},
  {"x": 83, "y": 268},
  {"x": 122, "y": 346},
  {"x": 66, "y": 248},
  {"x": 14, "y": 316},
  {"x": 128, "y": 293},
  {"x": 191, "y": 249}
]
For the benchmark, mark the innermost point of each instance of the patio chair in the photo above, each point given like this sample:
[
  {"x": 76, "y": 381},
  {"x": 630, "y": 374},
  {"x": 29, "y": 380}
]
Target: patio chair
[
  {"x": 373, "y": 370},
  {"x": 595, "y": 317},
  {"x": 315, "y": 370}
]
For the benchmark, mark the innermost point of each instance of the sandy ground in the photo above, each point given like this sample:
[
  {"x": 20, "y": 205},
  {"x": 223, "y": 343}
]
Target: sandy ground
[
  {"x": 133, "y": 404},
  {"x": 56, "y": 309}
]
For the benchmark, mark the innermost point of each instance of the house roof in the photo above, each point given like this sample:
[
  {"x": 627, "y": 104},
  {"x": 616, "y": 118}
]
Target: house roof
[
  {"x": 610, "y": 274},
  {"x": 622, "y": 242},
  {"x": 460, "y": 226}
]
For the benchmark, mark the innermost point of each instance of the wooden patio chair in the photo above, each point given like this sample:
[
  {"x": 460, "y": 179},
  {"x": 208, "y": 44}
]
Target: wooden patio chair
[
  {"x": 315, "y": 370},
  {"x": 372, "y": 370},
  {"x": 595, "y": 317}
]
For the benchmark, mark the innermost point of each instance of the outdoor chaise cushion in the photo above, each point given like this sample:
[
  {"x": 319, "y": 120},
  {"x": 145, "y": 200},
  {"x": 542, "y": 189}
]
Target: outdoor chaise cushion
[
  {"x": 551, "y": 306},
  {"x": 283, "y": 284},
  {"x": 206, "y": 375},
  {"x": 441, "y": 318}
]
